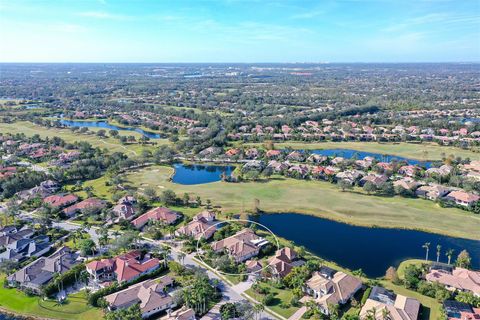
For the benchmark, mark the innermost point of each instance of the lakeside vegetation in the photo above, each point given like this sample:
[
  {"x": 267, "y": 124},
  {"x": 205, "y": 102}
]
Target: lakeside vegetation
[
  {"x": 320, "y": 199},
  {"x": 420, "y": 151}
]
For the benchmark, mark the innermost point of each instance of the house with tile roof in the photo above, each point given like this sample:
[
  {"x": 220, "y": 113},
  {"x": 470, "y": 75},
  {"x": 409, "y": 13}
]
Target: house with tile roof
[
  {"x": 161, "y": 214},
  {"x": 123, "y": 268},
  {"x": 87, "y": 204},
  {"x": 41, "y": 271},
  {"x": 150, "y": 295},
  {"x": 456, "y": 279},
  {"x": 242, "y": 246},
  {"x": 284, "y": 260},
  {"x": 462, "y": 198},
  {"x": 383, "y": 301},
  {"x": 60, "y": 200},
  {"x": 331, "y": 287}
]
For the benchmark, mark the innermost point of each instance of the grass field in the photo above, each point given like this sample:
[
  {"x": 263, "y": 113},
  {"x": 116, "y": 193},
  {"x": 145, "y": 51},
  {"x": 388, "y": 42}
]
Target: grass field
[
  {"x": 425, "y": 151},
  {"x": 406, "y": 263},
  {"x": 280, "y": 296},
  {"x": 75, "y": 307},
  {"x": 320, "y": 199},
  {"x": 431, "y": 307},
  {"x": 112, "y": 145}
]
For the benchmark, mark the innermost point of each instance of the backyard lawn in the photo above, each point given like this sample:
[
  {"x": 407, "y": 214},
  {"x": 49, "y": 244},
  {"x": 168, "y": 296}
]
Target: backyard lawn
[
  {"x": 74, "y": 308},
  {"x": 320, "y": 199},
  {"x": 281, "y": 302}
]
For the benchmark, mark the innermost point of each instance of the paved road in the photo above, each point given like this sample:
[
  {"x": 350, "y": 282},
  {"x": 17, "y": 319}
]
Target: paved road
[{"x": 230, "y": 294}]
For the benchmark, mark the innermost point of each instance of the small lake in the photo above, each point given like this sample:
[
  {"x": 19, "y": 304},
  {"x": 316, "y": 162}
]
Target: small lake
[
  {"x": 4, "y": 316},
  {"x": 371, "y": 249},
  {"x": 106, "y": 125},
  {"x": 349, "y": 153},
  {"x": 198, "y": 174}
]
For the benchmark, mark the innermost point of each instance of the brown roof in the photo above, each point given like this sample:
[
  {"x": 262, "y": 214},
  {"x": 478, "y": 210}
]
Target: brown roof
[
  {"x": 149, "y": 294},
  {"x": 157, "y": 214}
]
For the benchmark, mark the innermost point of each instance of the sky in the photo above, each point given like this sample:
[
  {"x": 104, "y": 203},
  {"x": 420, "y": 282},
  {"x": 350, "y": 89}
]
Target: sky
[{"x": 240, "y": 31}]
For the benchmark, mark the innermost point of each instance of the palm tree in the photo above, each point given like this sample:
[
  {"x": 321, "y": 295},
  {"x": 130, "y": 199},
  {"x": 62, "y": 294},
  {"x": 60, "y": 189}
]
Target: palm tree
[
  {"x": 258, "y": 309},
  {"x": 166, "y": 250},
  {"x": 449, "y": 254},
  {"x": 426, "y": 246},
  {"x": 371, "y": 314},
  {"x": 181, "y": 257},
  {"x": 386, "y": 314},
  {"x": 439, "y": 250}
]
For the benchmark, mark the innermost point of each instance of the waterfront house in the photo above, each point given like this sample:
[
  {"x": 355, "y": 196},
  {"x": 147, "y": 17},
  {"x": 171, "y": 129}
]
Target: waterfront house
[
  {"x": 284, "y": 260},
  {"x": 455, "y": 278},
  {"x": 456, "y": 310},
  {"x": 432, "y": 191},
  {"x": 330, "y": 287},
  {"x": 383, "y": 301},
  {"x": 462, "y": 198},
  {"x": 242, "y": 246}
]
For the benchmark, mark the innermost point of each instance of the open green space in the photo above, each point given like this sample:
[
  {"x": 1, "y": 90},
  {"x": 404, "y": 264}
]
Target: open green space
[
  {"x": 424, "y": 151},
  {"x": 320, "y": 199},
  {"x": 281, "y": 300},
  {"x": 75, "y": 307},
  {"x": 111, "y": 144},
  {"x": 406, "y": 263},
  {"x": 431, "y": 308}
]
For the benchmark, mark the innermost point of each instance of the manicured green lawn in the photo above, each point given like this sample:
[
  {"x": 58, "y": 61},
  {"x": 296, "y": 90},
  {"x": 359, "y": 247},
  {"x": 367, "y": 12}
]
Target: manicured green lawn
[
  {"x": 320, "y": 199},
  {"x": 280, "y": 296},
  {"x": 431, "y": 306},
  {"x": 424, "y": 151},
  {"x": 74, "y": 308},
  {"x": 406, "y": 263},
  {"x": 112, "y": 145}
]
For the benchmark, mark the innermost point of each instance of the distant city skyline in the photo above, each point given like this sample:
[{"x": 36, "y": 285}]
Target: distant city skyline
[{"x": 240, "y": 31}]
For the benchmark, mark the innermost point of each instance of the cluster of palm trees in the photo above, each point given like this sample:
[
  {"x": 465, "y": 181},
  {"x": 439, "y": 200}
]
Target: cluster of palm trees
[
  {"x": 372, "y": 314},
  {"x": 199, "y": 294},
  {"x": 448, "y": 253}
]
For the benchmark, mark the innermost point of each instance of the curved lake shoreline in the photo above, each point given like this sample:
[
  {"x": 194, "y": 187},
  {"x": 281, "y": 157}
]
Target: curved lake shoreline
[
  {"x": 192, "y": 174},
  {"x": 106, "y": 125},
  {"x": 356, "y": 247}
]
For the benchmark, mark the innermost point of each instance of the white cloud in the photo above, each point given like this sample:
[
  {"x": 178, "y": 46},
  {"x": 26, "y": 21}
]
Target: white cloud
[{"x": 104, "y": 15}]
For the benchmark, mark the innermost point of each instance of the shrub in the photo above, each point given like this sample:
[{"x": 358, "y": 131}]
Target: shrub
[{"x": 268, "y": 299}]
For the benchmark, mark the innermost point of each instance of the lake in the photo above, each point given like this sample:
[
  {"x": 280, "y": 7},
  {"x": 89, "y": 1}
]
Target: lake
[
  {"x": 106, "y": 125},
  {"x": 371, "y": 249},
  {"x": 198, "y": 174},
  {"x": 4, "y": 316},
  {"x": 349, "y": 153}
]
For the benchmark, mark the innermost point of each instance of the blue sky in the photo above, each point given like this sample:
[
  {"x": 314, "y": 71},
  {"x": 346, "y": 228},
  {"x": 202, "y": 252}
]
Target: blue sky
[{"x": 239, "y": 31}]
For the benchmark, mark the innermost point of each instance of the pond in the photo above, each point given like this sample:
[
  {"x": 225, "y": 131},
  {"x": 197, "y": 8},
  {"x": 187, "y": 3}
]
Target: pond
[
  {"x": 371, "y": 249},
  {"x": 198, "y": 174},
  {"x": 4, "y": 316},
  {"x": 106, "y": 125},
  {"x": 349, "y": 153}
]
